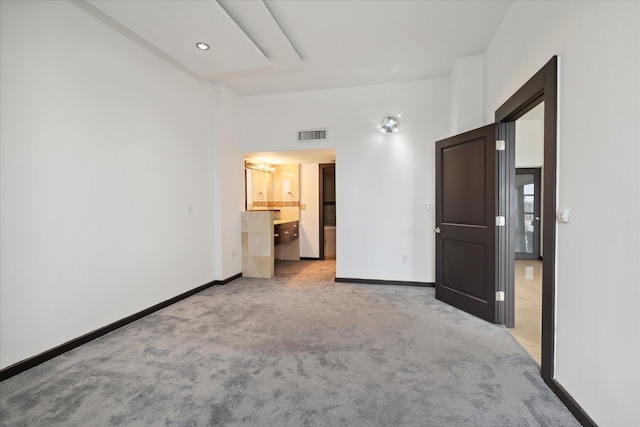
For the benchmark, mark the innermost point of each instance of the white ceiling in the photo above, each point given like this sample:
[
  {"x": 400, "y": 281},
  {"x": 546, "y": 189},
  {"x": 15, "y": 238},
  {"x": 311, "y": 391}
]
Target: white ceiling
[
  {"x": 176, "y": 26},
  {"x": 272, "y": 46},
  {"x": 260, "y": 47}
]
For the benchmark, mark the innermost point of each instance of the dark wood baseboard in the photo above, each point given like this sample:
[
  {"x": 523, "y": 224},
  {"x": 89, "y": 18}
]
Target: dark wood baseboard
[
  {"x": 573, "y": 406},
  {"x": 34, "y": 361},
  {"x": 306, "y": 258},
  {"x": 384, "y": 282},
  {"x": 227, "y": 280}
]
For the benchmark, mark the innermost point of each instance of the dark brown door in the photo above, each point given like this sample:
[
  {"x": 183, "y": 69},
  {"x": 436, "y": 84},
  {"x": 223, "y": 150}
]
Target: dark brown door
[{"x": 466, "y": 222}]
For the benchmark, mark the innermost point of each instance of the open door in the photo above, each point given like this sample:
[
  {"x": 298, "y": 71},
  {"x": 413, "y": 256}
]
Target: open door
[
  {"x": 463, "y": 278},
  {"x": 466, "y": 222}
]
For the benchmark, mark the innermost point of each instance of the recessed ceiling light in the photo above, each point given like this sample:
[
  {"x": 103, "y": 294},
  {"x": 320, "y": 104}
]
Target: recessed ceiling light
[{"x": 202, "y": 46}]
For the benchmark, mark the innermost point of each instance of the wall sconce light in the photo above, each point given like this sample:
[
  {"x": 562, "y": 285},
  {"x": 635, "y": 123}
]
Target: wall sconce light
[{"x": 389, "y": 124}]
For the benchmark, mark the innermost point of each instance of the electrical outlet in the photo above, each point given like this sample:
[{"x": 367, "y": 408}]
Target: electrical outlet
[
  {"x": 233, "y": 254},
  {"x": 404, "y": 258},
  {"x": 189, "y": 210}
]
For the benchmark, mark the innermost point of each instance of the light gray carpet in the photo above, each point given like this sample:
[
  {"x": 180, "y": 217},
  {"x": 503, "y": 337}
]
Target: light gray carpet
[{"x": 298, "y": 350}]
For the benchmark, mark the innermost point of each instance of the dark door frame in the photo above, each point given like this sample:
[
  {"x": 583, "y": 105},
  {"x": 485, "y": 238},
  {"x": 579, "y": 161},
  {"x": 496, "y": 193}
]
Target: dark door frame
[
  {"x": 535, "y": 255},
  {"x": 543, "y": 86},
  {"x": 321, "y": 168}
]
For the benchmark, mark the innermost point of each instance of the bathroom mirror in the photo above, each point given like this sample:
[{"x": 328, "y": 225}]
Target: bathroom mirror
[{"x": 256, "y": 189}]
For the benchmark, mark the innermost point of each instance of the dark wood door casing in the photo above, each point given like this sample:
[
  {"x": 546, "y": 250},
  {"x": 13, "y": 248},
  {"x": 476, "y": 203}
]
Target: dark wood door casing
[
  {"x": 542, "y": 87},
  {"x": 322, "y": 169}
]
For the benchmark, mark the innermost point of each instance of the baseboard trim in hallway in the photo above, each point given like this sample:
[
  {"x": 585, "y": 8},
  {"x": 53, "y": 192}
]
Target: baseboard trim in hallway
[
  {"x": 34, "y": 361},
  {"x": 384, "y": 282},
  {"x": 573, "y": 406}
]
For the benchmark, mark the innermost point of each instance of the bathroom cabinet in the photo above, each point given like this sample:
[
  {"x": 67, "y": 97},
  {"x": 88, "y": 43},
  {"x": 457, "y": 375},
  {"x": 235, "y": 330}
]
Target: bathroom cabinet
[
  {"x": 286, "y": 240},
  {"x": 284, "y": 231}
]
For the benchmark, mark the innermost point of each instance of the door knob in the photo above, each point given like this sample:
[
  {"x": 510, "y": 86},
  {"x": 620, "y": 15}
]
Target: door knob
[
  {"x": 437, "y": 230},
  {"x": 537, "y": 218}
]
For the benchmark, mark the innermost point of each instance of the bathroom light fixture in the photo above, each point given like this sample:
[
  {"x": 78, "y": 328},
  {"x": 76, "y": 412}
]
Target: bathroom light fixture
[
  {"x": 250, "y": 164},
  {"x": 202, "y": 46},
  {"x": 389, "y": 124}
]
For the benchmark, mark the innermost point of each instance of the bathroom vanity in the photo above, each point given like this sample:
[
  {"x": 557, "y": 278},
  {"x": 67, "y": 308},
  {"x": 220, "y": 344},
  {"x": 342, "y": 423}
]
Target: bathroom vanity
[
  {"x": 285, "y": 240},
  {"x": 265, "y": 239},
  {"x": 284, "y": 230}
]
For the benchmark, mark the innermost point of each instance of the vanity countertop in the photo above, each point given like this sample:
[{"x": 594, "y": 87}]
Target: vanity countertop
[{"x": 283, "y": 221}]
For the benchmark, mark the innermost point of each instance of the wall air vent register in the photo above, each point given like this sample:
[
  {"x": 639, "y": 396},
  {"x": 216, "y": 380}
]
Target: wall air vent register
[{"x": 312, "y": 135}]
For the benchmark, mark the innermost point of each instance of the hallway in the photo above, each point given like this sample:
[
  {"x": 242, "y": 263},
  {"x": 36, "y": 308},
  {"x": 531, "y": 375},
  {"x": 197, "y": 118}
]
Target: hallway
[{"x": 528, "y": 306}]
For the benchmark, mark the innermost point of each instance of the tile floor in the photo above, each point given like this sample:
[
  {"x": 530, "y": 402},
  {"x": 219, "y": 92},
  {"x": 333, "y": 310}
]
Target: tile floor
[{"x": 528, "y": 306}]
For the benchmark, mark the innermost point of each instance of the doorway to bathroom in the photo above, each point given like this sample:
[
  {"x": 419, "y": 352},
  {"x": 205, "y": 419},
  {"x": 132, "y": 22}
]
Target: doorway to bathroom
[{"x": 327, "y": 211}]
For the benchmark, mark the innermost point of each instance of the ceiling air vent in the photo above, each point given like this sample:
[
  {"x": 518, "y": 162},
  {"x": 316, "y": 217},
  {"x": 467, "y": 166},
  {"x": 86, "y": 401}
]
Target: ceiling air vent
[{"x": 312, "y": 135}]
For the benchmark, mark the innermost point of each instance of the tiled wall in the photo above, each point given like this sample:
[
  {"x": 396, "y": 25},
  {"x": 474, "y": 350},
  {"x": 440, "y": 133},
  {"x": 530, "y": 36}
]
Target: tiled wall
[
  {"x": 257, "y": 244},
  {"x": 272, "y": 205}
]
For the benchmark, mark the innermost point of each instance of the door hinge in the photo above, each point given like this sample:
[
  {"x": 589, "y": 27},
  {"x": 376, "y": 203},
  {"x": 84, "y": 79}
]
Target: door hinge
[
  {"x": 500, "y": 296},
  {"x": 500, "y": 145},
  {"x": 500, "y": 221}
]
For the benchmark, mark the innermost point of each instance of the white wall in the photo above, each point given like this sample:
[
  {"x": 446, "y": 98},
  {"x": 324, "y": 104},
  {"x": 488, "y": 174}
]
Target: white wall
[
  {"x": 383, "y": 182},
  {"x": 228, "y": 194},
  {"x": 530, "y": 154},
  {"x": 309, "y": 217},
  {"x": 598, "y": 290},
  {"x": 467, "y": 94},
  {"x": 529, "y": 143},
  {"x": 103, "y": 147}
]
